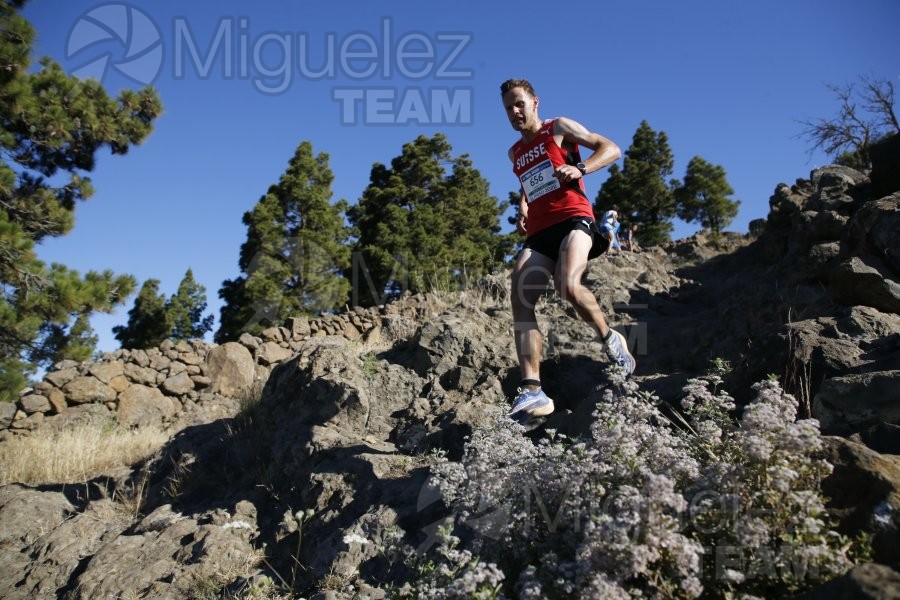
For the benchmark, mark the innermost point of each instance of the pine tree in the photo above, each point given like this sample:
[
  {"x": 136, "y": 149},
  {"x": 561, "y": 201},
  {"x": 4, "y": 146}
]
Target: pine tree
[
  {"x": 148, "y": 324},
  {"x": 82, "y": 339},
  {"x": 79, "y": 339},
  {"x": 154, "y": 319},
  {"x": 641, "y": 190},
  {"x": 184, "y": 310},
  {"x": 703, "y": 197},
  {"x": 419, "y": 227},
  {"x": 473, "y": 244},
  {"x": 51, "y": 126},
  {"x": 295, "y": 254}
]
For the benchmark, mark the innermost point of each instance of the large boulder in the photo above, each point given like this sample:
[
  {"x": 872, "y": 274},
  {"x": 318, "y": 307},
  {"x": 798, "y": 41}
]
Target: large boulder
[
  {"x": 27, "y": 516},
  {"x": 178, "y": 385},
  {"x": 870, "y": 581},
  {"x": 866, "y": 324},
  {"x": 786, "y": 202},
  {"x": 88, "y": 389},
  {"x": 875, "y": 230},
  {"x": 272, "y": 353},
  {"x": 834, "y": 185},
  {"x": 851, "y": 403},
  {"x": 61, "y": 377},
  {"x": 864, "y": 495},
  {"x": 140, "y": 405},
  {"x": 885, "y": 165},
  {"x": 142, "y": 375},
  {"x": 7, "y": 414},
  {"x": 34, "y": 403},
  {"x": 107, "y": 371},
  {"x": 56, "y": 556},
  {"x": 865, "y": 281},
  {"x": 170, "y": 555},
  {"x": 839, "y": 176},
  {"x": 230, "y": 368}
]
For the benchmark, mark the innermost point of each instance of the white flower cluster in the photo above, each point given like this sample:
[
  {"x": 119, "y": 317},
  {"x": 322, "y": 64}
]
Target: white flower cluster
[
  {"x": 355, "y": 538},
  {"x": 758, "y": 502},
  {"x": 641, "y": 507},
  {"x": 452, "y": 574}
]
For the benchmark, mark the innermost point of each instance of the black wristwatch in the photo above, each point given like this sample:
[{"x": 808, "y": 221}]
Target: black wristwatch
[{"x": 582, "y": 168}]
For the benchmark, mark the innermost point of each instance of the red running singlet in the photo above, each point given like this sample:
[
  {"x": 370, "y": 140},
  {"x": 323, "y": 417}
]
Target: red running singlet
[{"x": 549, "y": 201}]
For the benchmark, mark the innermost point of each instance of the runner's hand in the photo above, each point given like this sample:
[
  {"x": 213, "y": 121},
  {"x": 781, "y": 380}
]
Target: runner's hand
[
  {"x": 567, "y": 173},
  {"x": 521, "y": 221}
]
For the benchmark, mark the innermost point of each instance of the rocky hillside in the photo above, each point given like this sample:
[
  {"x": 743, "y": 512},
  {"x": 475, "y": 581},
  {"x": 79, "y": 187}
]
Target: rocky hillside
[{"x": 293, "y": 455}]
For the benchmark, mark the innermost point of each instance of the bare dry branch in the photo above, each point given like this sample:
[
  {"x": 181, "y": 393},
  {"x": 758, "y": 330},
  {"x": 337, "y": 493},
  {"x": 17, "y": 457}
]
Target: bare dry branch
[{"x": 864, "y": 116}]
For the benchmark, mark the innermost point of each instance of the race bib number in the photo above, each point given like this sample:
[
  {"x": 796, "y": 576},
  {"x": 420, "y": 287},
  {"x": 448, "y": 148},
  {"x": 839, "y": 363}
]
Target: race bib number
[{"x": 539, "y": 180}]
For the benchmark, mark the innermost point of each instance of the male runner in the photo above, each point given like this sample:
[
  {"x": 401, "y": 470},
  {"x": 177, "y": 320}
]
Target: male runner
[{"x": 558, "y": 220}]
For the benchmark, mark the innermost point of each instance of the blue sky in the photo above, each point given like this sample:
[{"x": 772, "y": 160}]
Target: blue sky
[{"x": 725, "y": 80}]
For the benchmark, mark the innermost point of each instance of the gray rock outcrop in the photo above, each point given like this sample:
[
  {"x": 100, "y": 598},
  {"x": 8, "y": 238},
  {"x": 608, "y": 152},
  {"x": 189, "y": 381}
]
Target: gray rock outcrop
[{"x": 308, "y": 442}]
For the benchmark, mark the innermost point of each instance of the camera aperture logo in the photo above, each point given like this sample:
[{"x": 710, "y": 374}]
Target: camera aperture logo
[{"x": 139, "y": 55}]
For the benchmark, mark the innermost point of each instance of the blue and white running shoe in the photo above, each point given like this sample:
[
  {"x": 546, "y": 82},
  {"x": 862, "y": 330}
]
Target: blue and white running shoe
[
  {"x": 531, "y": 403},
  {"x": 617, "y": 352}
]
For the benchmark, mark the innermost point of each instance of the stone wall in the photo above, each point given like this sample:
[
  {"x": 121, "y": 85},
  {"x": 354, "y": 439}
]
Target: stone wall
[{"x": 159, "y": 385}]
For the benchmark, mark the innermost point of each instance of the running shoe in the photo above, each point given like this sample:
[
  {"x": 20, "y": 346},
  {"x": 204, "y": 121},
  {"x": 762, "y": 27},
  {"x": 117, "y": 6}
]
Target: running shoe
[
  {"x": 617, "y": 352},
  {"x": 531, "y": 403}
]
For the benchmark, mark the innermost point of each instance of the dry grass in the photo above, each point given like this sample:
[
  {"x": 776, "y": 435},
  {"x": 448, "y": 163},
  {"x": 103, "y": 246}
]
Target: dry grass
[
  {"x": 213, "y": 585},
  {"x": 77, "y": 454},
  {"x": 488, "y": 291},
  {"x": 798, "y": 371},
  {"x": 335, "y": 583}
]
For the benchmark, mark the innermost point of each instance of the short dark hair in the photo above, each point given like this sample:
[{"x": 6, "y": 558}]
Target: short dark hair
[{"x": 514, "y": 83}]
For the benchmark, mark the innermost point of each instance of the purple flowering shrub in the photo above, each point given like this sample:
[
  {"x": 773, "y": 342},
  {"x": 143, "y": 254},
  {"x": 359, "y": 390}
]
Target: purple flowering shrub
[{"x": 645, "y": 505}]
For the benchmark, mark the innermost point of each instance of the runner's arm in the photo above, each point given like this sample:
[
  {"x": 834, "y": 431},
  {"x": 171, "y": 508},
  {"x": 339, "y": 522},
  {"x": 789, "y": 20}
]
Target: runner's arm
[
  {"x": 522, "y": 214},
  {"x": 605, "y": 151}
]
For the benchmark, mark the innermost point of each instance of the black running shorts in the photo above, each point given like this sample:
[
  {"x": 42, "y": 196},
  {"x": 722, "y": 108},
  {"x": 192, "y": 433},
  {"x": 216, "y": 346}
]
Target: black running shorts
[{"x": 548, "y": 241}]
